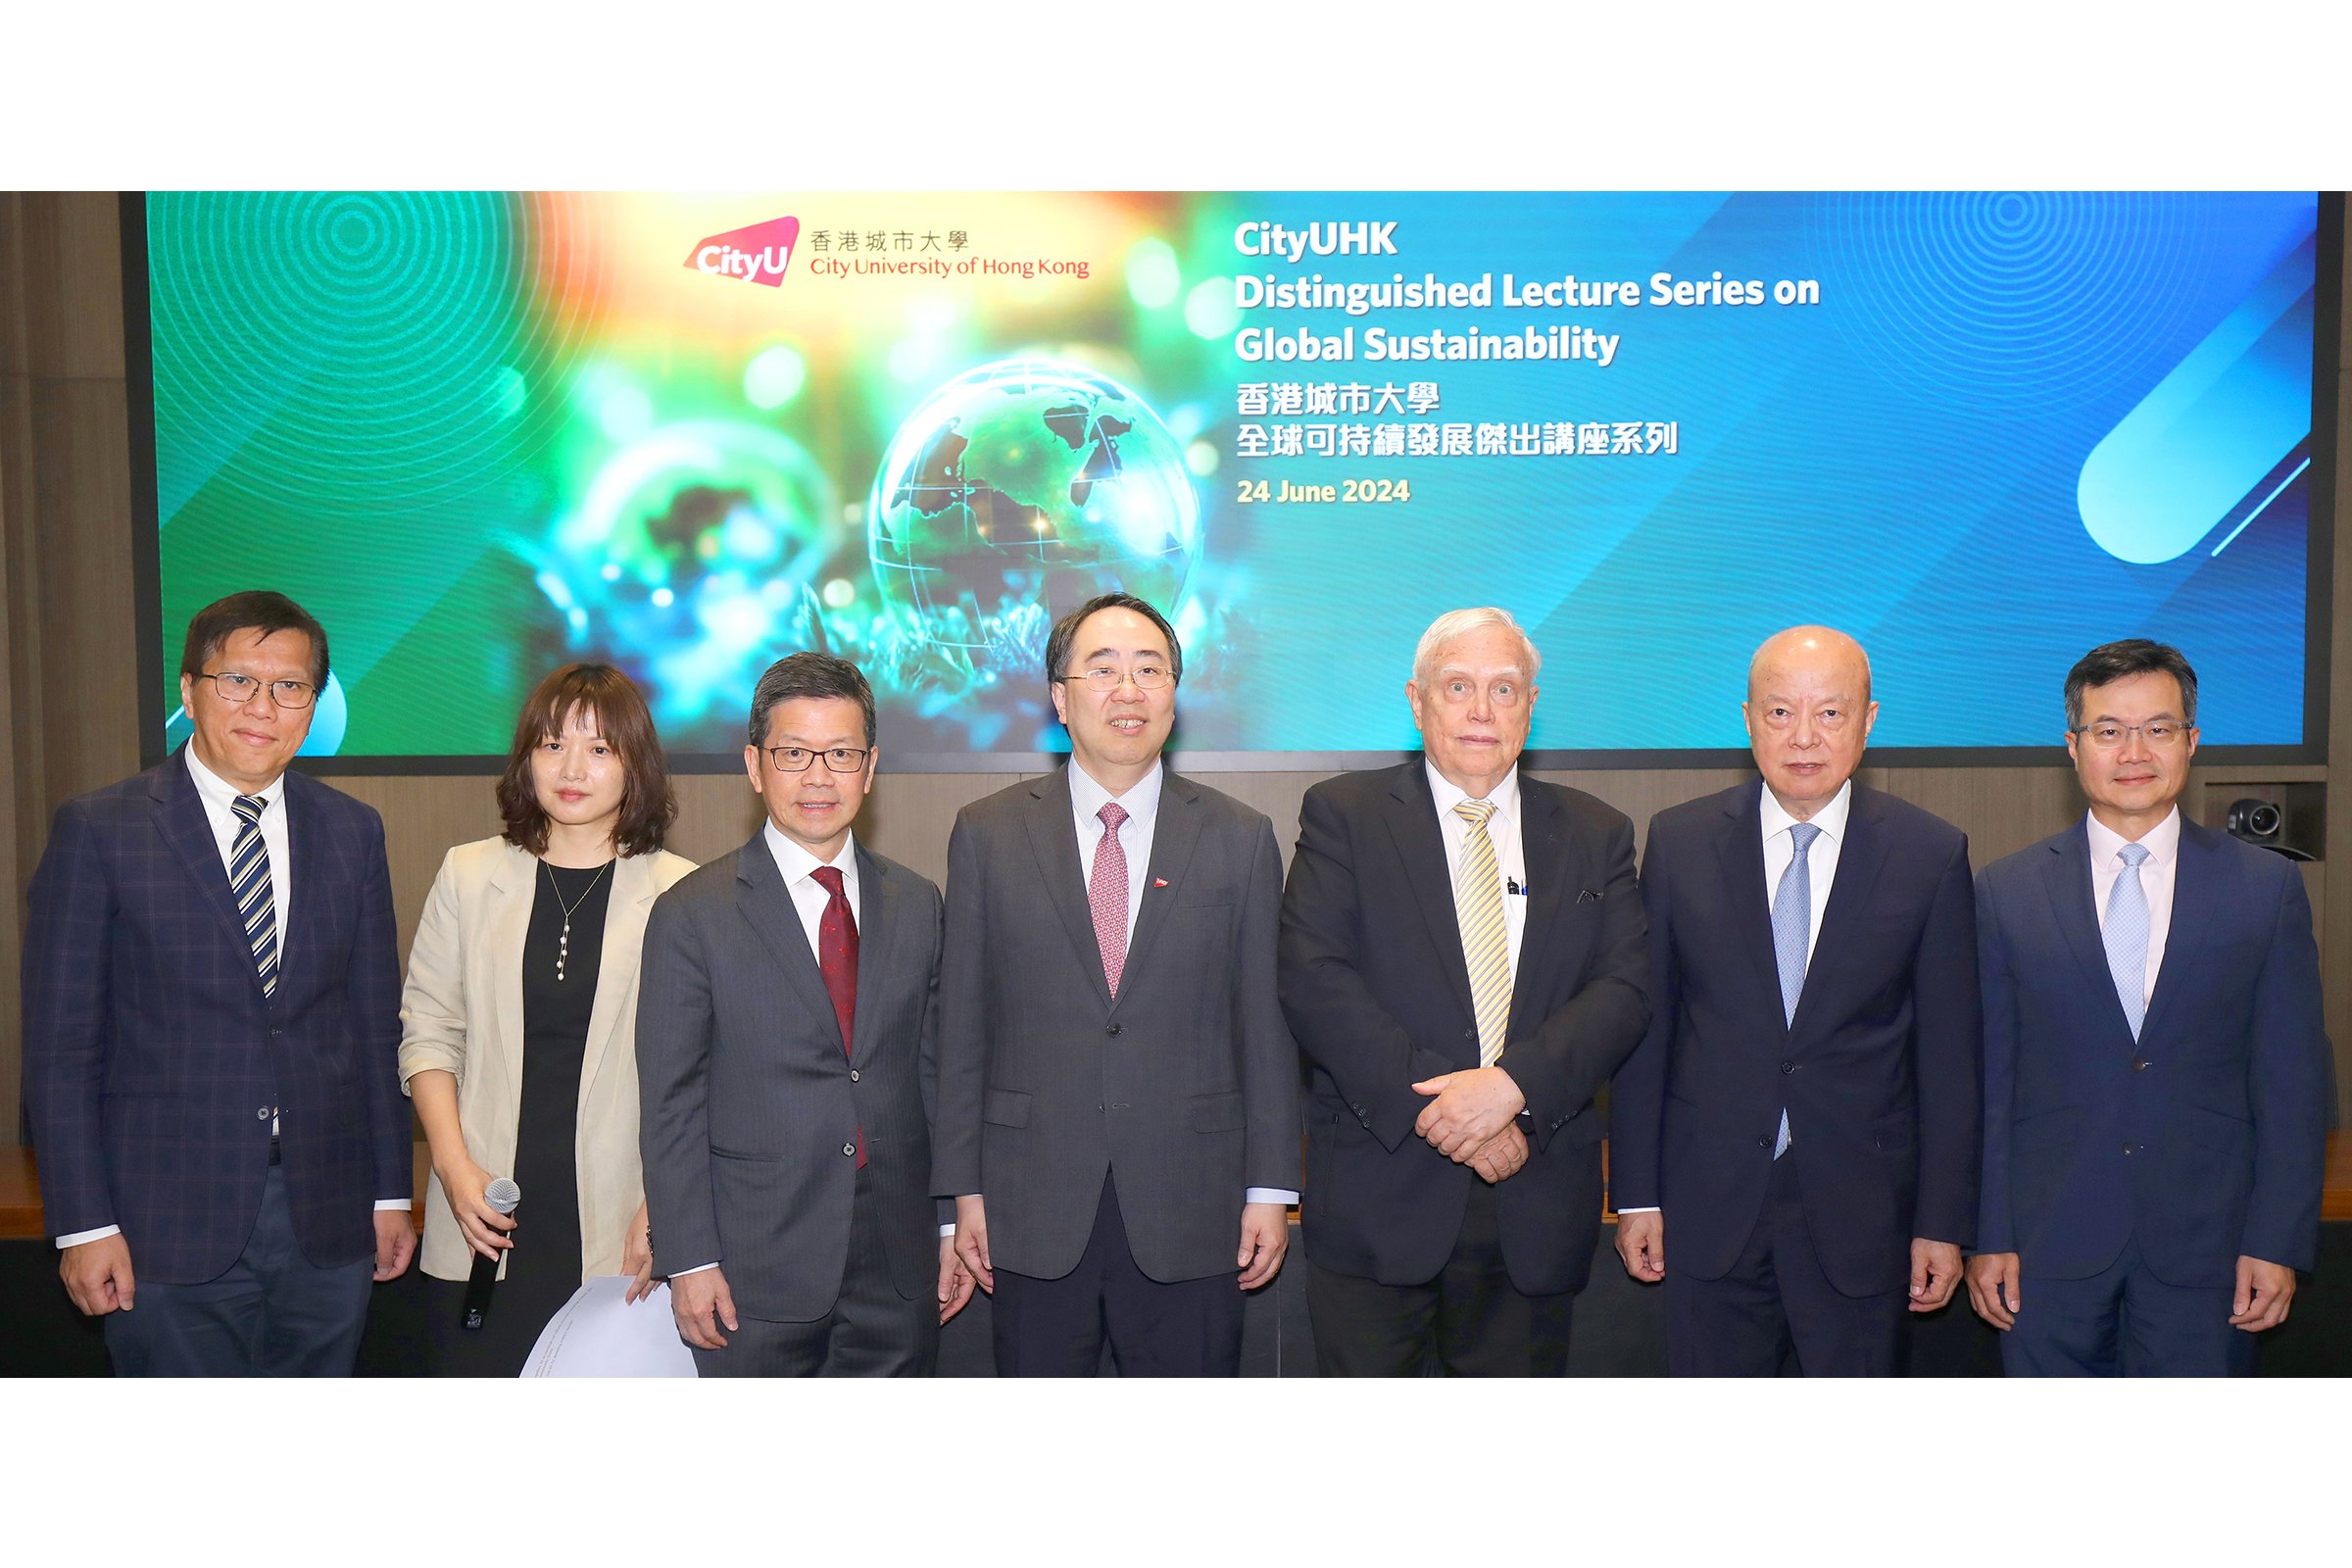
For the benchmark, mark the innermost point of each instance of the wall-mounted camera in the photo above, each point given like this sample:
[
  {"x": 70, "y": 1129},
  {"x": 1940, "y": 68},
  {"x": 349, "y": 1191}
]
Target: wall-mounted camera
[{"x": 2272, "y": 824}]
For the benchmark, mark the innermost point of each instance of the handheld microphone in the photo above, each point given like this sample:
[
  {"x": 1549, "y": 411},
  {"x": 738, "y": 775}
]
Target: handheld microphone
[{"x": 503, "y": 1195}]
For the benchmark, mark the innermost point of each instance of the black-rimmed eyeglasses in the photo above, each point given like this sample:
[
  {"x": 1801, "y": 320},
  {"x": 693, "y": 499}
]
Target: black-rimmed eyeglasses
[{"x": 798, "y": 758}]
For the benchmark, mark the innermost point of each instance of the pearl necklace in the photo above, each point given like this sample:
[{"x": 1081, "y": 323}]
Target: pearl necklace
[{"x": 563, "y": 940}]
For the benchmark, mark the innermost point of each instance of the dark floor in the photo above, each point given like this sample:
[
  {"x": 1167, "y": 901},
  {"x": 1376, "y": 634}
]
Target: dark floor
[{"x": 1620, "y": 1325}]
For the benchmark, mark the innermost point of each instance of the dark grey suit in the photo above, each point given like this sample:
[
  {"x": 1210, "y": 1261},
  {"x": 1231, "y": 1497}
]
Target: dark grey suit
[
  {"x": 1184, "y": 1092},
  {"x": 751, "y": 1110}
]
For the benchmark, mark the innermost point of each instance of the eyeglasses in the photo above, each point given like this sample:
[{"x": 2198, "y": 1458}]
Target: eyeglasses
[
  {"x": 239, "y": 688},
  {"x": 2107, "y": 736},
  {"x": 1109, "y": 677},
  {"x": 798, "y": 758}
]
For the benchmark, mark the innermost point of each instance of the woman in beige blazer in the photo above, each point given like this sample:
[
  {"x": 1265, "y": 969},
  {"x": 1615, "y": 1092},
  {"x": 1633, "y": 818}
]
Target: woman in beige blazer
[{"x": 519, "y": 1037}]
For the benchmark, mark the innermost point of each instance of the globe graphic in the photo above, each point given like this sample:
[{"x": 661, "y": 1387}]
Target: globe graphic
[{"x": 1018, "y": 492}]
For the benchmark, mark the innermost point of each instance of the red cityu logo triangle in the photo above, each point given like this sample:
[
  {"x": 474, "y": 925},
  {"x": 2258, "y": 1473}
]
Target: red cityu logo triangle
[{"x": 759, "y": 254}]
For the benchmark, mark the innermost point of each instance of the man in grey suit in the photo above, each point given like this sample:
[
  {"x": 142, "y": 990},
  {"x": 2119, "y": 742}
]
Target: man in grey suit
[
  {"x": 784, "y": 1028},
  {"x": 1119, "y": 1096}
]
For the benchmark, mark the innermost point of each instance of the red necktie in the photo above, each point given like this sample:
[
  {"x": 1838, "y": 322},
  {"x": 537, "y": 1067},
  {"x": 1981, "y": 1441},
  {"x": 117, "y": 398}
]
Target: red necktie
[
  {"x": 837, "y": 962},
  {"x": 1107, "y": 892}
]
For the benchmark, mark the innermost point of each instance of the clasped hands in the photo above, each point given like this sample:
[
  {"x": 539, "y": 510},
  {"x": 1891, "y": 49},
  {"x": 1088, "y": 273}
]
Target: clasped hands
[{"x": 1470, "y": 1119}]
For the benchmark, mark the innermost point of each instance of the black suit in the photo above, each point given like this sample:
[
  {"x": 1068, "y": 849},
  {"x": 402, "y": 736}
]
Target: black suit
[
  {"x": 1378, "y": 995},
  {"x": 1879, "y": 1073}
]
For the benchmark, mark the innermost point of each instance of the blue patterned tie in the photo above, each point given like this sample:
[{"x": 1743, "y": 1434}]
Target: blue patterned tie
[
  {"x": 2127, "y": 935},
  {"x": 1791, "y": 922},
  {"x": 249, "y": 884}
]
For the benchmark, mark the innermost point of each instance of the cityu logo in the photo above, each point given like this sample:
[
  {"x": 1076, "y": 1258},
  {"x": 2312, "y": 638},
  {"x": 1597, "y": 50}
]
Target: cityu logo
[{"x": 756, "y": 255}]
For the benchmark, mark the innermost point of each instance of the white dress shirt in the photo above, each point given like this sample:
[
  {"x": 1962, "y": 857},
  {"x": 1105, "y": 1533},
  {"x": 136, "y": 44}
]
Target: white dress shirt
[
  {"x": 1502, "y": 831},
  {"x": 2156, "y": 874},
  {"x": 1141, "y": 804},
  {"x": 217, "y": 792},
  {"x": 1821, "y": 865}
]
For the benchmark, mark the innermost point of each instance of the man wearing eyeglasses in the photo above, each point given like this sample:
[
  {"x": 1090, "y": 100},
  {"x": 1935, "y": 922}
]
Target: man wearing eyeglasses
[
  {"x": 2156, "y": 1073},
  {"x": 1118, "y": 1114},
  {"x": 786, "y": 1015},
  {"x": 212, "y": 1032}
]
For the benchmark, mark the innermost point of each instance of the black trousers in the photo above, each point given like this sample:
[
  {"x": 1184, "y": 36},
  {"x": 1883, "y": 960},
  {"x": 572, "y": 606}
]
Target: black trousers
[
  {"x": 873, "y": 1331},
  {"x": 274, "y": 1314},
  {"x": 1775, "y": 1298},
  {"x": 1155, "y": 1329},
  {"x": 2125, "y": 1322},
  {"x": 1470, "y": 1322}
]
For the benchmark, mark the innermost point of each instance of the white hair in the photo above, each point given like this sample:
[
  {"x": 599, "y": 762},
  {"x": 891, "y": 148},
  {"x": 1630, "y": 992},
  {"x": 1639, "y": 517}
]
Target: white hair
[{"x": 1458, "y": 623}]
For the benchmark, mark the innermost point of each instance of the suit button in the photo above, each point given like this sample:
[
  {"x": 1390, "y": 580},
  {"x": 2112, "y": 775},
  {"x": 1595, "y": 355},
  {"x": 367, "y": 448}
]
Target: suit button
[
  {"x": 1764, "y": 1141},
  {"x": 2140, "y": 1064},
  {"x": 848, "y": 1148},
  {"x": 261, "y": 1113},
  {"x": 1788, "y": 1067},
  {"x": 275, "y": 1030},
  {"x": 1112, "y": 1029},
  {"x": 1469, "y": 1034},
  {"x": 2126, "y": 1148},
  {"x": 852, "y": 1075}
]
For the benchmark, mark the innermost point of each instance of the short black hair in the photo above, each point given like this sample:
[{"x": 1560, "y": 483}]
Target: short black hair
[
  {"x": 1065, "y": 632},
  {"x": 809, "y": 674},
  {"x": 256, "y": 610},
  {"x": 2119, "y": 661}
]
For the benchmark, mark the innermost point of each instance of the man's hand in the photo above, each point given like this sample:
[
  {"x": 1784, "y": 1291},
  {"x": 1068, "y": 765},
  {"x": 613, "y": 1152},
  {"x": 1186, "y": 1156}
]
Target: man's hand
[
  {"x": 693, "y": 1298},
  {"x": 2260, "y": 1301},
  {"x": 971, "y": 1240},
  {"x": 1471, "y": 1106},
  {"x": 97, "y": 1275},
  {"x": 637, "y": 1256},
  {"x": 1265, "y": 1237},
  {"x": 1934, "y": 1273},
  {"x": 1992, "y": 1289},
  {"x": 395, "y": 1242},
  {"x": 1642, "y": 1243},
  {"x": 1499, "y": 1155},
  {"x": 954, "y": 1280}
]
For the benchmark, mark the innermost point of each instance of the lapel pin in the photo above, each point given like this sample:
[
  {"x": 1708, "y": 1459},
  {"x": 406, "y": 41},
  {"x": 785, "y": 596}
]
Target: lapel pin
[{"x": 1159, "y": 881}]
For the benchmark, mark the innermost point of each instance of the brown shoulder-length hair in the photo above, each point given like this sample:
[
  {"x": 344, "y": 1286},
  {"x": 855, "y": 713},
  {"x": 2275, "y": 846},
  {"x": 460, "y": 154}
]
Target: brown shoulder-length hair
[{"x": 648, "y": 804}]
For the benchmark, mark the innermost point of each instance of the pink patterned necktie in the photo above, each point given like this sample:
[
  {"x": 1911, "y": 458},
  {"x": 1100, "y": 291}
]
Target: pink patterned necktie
[{"x": 1107, "y": 893}]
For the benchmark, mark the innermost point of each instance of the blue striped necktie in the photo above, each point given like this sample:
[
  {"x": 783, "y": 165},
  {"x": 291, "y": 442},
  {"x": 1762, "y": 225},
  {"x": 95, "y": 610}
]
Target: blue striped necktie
[
  {"x": 249, "y": 885},
  {"x": 2127, "y": 935}
]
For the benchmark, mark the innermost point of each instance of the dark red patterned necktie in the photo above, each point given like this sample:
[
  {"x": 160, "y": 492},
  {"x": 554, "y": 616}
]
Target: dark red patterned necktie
[{"x": 837, "y": 962}]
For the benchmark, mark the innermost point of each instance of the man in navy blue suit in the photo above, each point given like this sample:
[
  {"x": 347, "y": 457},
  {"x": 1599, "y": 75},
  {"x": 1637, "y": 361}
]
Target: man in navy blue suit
[
  {"x": 2155, "y": 1067},
  {"x": 1804, "y": 1107},
  {"x": 212, "y": 1029}
]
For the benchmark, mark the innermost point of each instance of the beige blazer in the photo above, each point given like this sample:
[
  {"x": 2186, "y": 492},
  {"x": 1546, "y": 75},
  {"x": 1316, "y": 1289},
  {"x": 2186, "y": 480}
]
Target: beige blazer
[{"x": 462, "y": 1012}]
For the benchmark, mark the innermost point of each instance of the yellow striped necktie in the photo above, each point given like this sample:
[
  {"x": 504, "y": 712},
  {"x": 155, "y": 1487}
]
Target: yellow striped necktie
[{"x": 1478, "y": 905}]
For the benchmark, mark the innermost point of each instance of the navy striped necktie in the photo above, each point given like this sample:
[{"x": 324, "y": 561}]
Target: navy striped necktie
[{"x": 249, "y": 885}]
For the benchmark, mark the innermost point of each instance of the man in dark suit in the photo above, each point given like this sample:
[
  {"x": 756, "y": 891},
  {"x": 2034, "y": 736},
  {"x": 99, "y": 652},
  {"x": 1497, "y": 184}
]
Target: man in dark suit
[
  {"x": 212, "y": 1032},
  {"x": 786, "y": 1015},
  {"x": 1118, "y": 1098},
  {"x": 1804, "y": 1107},
  {"x": 2156, "y": 1076},
  {"x": 1462, "y": 962}
]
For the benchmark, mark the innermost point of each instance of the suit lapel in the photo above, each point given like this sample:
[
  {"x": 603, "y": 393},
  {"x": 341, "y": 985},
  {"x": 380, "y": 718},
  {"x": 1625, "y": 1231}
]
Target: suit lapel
[
  {"x": 1174, "y": 837},
  {"x": 2196, "y": 883},
  {"x": 881, "y": 908},
  {"x": 625, "y": 912},
  {"x": 184, "y": 827},
  {"x": 1543, "y": 843},
  {"x": 1054, "y": 837},
  {"x": 1858, "y": 860},
  {"x": 767, "y": 906},
  {"x": 1739, "y": 856},
  {"x": 1413, "y": 824},
  {"x": 2066, "y": 876},
  {"x": 506, "y": 924}
]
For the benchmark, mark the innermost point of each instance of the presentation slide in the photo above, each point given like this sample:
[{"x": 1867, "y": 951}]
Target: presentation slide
[{"x": 481, "y": 434}]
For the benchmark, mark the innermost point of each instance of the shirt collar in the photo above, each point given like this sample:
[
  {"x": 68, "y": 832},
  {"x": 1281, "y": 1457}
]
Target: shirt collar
[
  {"x": 220, "y": 791},
  {"x": 1141, "y": 802},
  {"x": 1831, "y": 819},
  {"x": 1447, "y": 794},
  {"x": 2163, "y": 839},
  {"x": 793, "y": 861}
]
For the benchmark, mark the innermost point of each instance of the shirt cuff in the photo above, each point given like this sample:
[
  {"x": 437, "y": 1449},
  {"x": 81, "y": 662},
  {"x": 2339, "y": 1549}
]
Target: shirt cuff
[
  {"x": 1651, "y": 1209},
  {"x": 699, "y": 1268},
  {"x": 948, "y": 1229},
  {"x": 1269, "y": 1195},
  {"x": 404, "y": 1204},
  {"x": 79, "y": 1237}
]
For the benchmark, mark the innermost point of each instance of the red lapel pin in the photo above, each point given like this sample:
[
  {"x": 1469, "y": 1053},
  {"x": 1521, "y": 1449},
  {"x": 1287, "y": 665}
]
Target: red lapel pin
[{"x": 1159, "y": 881}]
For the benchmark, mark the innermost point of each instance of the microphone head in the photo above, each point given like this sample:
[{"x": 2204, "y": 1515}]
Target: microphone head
[{"x": 501, "y": 1193}]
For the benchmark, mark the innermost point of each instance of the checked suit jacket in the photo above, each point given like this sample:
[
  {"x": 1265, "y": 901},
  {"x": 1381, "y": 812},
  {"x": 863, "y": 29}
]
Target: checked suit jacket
[{"x": 152, "y": 1059}]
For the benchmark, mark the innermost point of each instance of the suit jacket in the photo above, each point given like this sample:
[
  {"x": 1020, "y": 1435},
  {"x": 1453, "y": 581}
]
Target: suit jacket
[
  {"x": 2205, "y": 1140},
  {"x": 152, "y": 1060},
  {"x": 1378, "y": 994},
  {"x": 1184, "y": 1088},
  {"x": 1879, "y": 1071},
  {"x": 462, "y": 1012},
  {"x": 751, "y": 1110}
]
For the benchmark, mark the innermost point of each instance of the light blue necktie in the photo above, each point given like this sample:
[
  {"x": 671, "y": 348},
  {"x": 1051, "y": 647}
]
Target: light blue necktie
[
  {"x": 1791, "y": 922},
  {"x": 2127, "y": 935}
]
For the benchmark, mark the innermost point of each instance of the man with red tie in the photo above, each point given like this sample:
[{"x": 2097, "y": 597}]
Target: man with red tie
[
  {"x": 785, "y": 1031},
  {"x": 1118, "y": 1106}
]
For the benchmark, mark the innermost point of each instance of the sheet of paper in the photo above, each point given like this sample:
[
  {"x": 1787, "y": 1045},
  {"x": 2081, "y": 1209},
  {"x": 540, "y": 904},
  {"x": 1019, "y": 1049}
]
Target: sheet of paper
[{"x": 600, "y": 1335}]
